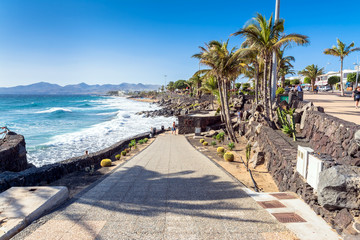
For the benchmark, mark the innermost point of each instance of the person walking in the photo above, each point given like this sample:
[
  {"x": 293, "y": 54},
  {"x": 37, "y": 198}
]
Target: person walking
[
  {"x": 356, "y": 96},
  {"x": 239, "y": 116},
  {"x": 173, "y": 130}
]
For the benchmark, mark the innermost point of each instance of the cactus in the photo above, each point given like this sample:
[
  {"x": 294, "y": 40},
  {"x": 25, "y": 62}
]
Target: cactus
[
  {"x": 231, "y": 146},
  {"x": 213, "y": 143},
  {"x": 205, "y": 143},
  {"x": 288, "y": 127},
  {"x": 220, "y": 149},
  {"x": 202, "y": 140},
  {"x": 105, "y": 162},
  {"x": 117, "y": 156},
  {"x": 229, "y": 156},
  {"x": 123, "y": 153}
]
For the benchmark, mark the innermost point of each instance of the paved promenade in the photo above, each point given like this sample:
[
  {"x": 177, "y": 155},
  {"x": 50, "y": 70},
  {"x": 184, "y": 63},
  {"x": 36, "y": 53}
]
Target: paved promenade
[
  {"x": 168, "y": 191},
  {"x": 333, "y": 104}
]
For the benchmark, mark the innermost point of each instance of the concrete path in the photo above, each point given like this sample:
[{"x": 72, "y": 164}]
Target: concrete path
[
  {"x": 335, "y": 105},
  {"x": 168, "y": 191}
]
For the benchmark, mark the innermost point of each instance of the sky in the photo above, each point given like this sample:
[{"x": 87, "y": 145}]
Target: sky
[{"x": 142, "y": 41}]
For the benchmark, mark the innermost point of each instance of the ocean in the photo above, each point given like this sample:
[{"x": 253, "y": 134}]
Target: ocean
[{"x": 60, "y": 127}]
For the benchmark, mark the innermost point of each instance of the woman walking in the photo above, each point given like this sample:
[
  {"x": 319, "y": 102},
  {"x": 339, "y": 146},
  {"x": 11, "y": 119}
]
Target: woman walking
[
  {"x": 173, "y": 129},
  {"x": 356, "y": 95}
]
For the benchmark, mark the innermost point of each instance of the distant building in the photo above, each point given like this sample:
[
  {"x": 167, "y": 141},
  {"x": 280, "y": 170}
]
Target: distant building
[{"x": 323, "y": 79}]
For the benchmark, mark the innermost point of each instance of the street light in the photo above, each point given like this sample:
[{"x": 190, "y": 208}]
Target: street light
[
  {"x": 274, "y": 73},
  {"x": 357, "y": 72}
]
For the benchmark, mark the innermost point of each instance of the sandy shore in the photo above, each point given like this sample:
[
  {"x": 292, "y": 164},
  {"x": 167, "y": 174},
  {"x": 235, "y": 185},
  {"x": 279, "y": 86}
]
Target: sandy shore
[{"x": 143, "y": 99}]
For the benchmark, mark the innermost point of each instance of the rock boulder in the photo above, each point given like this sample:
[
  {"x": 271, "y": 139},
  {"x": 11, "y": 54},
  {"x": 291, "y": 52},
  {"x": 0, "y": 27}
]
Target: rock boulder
[{"x": 339, "y": 187}]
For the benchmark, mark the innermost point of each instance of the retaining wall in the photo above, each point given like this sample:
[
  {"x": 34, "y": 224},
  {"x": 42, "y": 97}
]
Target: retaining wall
[
  {"x": 49, "y": 173},
  {"x": 13, "y": 153}
]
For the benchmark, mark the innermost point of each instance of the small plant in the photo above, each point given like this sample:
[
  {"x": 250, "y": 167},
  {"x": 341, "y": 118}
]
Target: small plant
[
  {"x": 117, "y": 156},
  {"x": 127, "y": 150},
  {"x": 229, "y": 156},
  {"x": 90, "y": 169},
  {"x": 202, "y": 140},
  {"x": 146, "y": 140},
  {"x": 231, "y": 146},
  {"x": 214, "y": 137},
  {"x": 213, "y": 143},
  {"x": 220, "y": 136},
  {"x": 288, "y": 124},
  {"x": 141, "y": 141},
  {"x": 105, "y": 162},
  {"x": 247, "y": 154},
  {"x": 280, "y": 90},
  {"x": 220, "y": 149},
  {"x": 123, "y": 153},
  {"x": 205, "y": 143}
]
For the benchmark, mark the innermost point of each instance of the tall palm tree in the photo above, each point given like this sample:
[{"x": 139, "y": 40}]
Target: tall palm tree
[
  {"x": 266, "y": 36},
  {"x": 341, "y": 50},
  {"x": 196, "y": 81},
  {"x": 312, "y": 72},
  {"x": 226, "y": 66}
]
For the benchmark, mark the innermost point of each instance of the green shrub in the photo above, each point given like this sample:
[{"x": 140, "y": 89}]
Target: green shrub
[
  {"x": 213, "y": 143},
  {"x": 205, "y": 143},
  {"x": 220, "y": 149},
  {"x": 202, "y": 140},
  {"x": 146, "y": 140},
  {"x": 220, "y": 136},
  {"x": 117, "y": 156},
  {"x": 141, "y": 141},
  {"x": 228, "y": 156},
  {"x": 280, "y": 90},
  {"x": 123, "y": 153},
  {"x": 214, "y": 137},
  {"x": 105, "y": 162},
  {"x": 231, "y": 145}
]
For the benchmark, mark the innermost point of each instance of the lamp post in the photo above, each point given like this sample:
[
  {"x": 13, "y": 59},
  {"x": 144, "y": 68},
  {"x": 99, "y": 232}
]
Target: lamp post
[
  {"x": 274, "y": 73},
  {"x": 357, "y": 72}
]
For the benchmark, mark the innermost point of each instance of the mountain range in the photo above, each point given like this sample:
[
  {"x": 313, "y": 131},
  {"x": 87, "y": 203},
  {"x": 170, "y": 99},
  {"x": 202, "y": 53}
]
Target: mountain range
[{"x": 81, "y": 88}]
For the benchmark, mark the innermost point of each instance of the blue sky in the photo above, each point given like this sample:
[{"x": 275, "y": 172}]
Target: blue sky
[{"x": 108, "y": 41}]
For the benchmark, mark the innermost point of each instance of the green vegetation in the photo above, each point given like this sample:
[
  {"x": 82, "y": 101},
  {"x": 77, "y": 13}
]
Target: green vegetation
[
  {"x": 123, "y": 153},
  {"x": 280, "y": 90},
  {"x": 117, "y": 156},
  {"x": 341, "y": 50},
  {"x": 105, "y": 163},
  {"x": 220, "y": 136},
  {"x": 351, "y": 77},
  {"x": 312, "y": 72},
  {"x": 231, "y": 145},
  {"x": 245, "y": 86},
  {"x": 229, "y": 156},
  {"x": 146, "y": 140},
  {"x": 295, "y": 81},
  {"x": 247, "y": 155},
  {"x": 288, "y": 125},
  {"x": 307, "y": 80},
  {"x": 287, "y": 82},
  {"x": 213, "y": 143},
  {"x": 205, "y": 143},
  {"x": 335, "y": 79}
]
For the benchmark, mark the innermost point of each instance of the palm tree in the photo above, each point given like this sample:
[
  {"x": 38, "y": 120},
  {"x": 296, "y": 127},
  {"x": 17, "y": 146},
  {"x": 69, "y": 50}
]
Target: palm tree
[
  {"x": 267, "y": 36},
  {"x": 210, "y": 86},
  {"x": 312, "y": 72},
  {"x": 284, "y": 65},
  {"x": 226, "y": 66},
  {"x": 196, "y": 81},
  {"x": 341, "y": 50}
]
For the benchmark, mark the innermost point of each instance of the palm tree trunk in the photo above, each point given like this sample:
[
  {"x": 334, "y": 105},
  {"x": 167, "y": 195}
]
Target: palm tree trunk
[
  {"x": 341, "y": 77},
  {"x": 228, "y": 122},
  {"x": 269, "y": 89},
  {"x": 265, "y": 86},
  {"x": 256, "y": 83},
  {"x": 222, "y": 115},
  {"x": 283, "y": 81}
]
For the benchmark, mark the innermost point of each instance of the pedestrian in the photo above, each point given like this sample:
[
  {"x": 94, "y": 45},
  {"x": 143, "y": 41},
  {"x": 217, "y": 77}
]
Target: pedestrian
[
  {"x": 173, "y": 130},
  {"x": 299, "y": 89},
  {"x": 356, "y": 96},
  {"x": 239, "y": 113},
  {"x": 316, "y": 89}
]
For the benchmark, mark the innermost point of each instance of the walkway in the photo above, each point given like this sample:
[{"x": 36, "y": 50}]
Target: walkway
[
  {"x": 168, "y": 191},
  {"x": 333, "y": 104}
]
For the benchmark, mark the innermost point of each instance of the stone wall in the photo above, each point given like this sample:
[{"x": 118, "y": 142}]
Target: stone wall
[
  {"x": 13, "y": 153},
  {"x": 187, "y": 123},
  {"x": 49, "y": 173},
  {"x": 332, "y": 136}
]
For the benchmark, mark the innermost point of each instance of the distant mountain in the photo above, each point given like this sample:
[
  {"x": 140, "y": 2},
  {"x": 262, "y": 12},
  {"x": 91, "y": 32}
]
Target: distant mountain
[{"x": 81, "y": 88}]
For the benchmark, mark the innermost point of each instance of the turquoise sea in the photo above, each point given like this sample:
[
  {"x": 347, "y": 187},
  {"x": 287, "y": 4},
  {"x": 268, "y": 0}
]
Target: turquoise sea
[{"x": 59, "y": 127}]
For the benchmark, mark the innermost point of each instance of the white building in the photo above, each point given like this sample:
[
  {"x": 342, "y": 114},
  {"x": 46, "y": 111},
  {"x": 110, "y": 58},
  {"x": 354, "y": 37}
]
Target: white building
[{"x": 322, "y": 80}]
